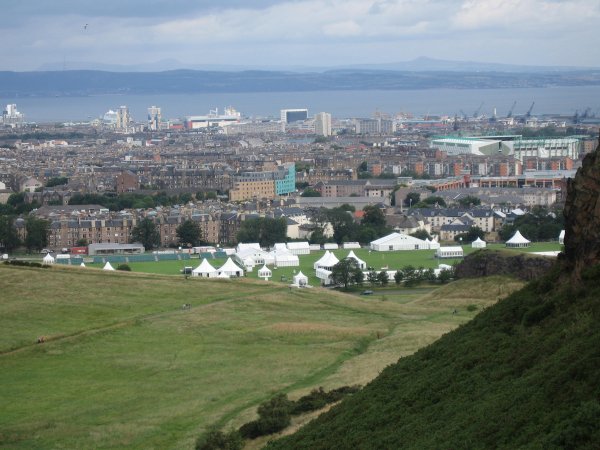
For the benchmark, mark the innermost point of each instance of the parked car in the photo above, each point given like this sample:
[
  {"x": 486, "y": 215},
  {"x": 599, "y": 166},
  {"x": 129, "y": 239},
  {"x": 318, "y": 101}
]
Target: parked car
[{"x": 367, "y": 292}]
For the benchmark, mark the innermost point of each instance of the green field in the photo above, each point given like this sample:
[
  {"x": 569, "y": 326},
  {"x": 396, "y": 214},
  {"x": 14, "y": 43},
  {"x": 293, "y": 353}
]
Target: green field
[
  {"x": 124, "y": 366},
  {"x": 393, "y": 260}
]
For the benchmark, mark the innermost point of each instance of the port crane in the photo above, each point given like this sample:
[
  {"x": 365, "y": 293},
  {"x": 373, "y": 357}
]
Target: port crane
[
  {"x": 476, "y": 113},
  {"x": 510, "y": 111},
  {"x": 528, "y": 113}
]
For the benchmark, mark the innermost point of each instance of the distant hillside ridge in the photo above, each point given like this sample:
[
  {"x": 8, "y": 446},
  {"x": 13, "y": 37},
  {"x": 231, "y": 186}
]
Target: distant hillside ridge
[
  {"x": 521, "y": 374},
  {"x": 97, "y": 82}
]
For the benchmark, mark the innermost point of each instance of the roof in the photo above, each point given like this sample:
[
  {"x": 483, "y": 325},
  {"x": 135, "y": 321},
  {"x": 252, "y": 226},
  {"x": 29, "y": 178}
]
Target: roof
[
  {"x": 518, "y": 239},
  {"x": 204, "y": 267},
  {"x": 397, "y": 237}
]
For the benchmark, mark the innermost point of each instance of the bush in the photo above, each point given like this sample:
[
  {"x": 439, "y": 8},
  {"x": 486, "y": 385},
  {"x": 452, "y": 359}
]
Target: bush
[
  {"x": 472, "y": 308},
  {"x": 27, "y": 264},
  {"x": 217, "y": 440},
  {"x": 124, "y": 267},
  {"x": 274, "y": 415}
]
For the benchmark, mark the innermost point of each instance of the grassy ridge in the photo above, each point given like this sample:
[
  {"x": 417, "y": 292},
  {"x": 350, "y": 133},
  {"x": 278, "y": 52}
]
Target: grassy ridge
[
  {"x": 125, "y": 367},
  {"x": 522, "y": 374}
]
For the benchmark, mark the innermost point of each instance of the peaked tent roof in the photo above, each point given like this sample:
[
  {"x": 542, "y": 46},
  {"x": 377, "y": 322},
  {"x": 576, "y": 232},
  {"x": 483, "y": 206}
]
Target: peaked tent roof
[
  {"x": 322, "y": 258},
  {"x": 204, "y": 267},
  {"x": 230, "y": 266},
  {"x": 265, "y": 272},
  {"x": 107, "y": 266},
  {"x": 330, "y": 261},
  {"x": 48, "y": 259},
  {"x": 518, "y": 239},
  {"x": 356, "y": 258}
]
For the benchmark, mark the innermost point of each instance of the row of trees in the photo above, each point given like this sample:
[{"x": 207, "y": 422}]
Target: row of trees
[
  {"x": 37, "y": 233},
  {"x": 346, "y": 273},
  {"x": 139, "y": 201},
  {"x": 345, "y": 228}
]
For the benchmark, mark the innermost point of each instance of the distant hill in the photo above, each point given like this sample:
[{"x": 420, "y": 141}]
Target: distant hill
[
  {"x": 522, "y": 374},
  {"x": 95, "y": 82}
]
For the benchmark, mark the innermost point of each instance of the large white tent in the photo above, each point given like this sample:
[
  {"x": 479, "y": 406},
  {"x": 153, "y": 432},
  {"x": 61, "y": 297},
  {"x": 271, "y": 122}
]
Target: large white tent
[
  {"x": 361, "y": 264},
  {"x": 478, "y": 243},
  {"x": 517, "y": 241},
  {"x": 400, "y": 241},
  {"x": 326, "y": 262},
  {"x": 107, "y": 266},
  {"x": 298, "y": 248},
  {"x": 48, "y": 259},
  {"x": 205, "y": 270},
  {"x": 230, "y": 269},
  {"x": 285, "y": 259}
]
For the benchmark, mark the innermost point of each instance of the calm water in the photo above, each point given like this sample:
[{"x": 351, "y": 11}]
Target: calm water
[{"x": 342, "y": 104}]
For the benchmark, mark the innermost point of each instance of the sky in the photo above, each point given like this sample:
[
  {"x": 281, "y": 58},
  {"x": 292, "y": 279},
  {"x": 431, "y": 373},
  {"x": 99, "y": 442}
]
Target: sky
[{"x": 297, "y": 33}]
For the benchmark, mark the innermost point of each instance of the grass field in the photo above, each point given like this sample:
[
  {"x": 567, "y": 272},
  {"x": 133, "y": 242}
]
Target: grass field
[
  {"x": 125, "y": 367},
  {"x": 393, "y": 260}
]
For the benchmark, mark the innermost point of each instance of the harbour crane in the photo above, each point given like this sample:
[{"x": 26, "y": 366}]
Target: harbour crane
[
  {"x": 476, "y": 113},
  {"x": 464, "y": 115},
  {"x": 510, "y": 111},
  {"x": 528, "y": 113}
]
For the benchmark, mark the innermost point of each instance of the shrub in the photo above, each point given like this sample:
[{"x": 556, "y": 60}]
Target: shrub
[
  {"x": 472, "y": 308},
  {"x": 124, "y": 267},
  {"x": 217, "y": 440}
]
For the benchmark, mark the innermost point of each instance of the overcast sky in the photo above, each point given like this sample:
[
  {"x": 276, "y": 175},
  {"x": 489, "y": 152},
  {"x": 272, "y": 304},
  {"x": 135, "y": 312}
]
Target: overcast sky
[{"x": 298, "y": 32}]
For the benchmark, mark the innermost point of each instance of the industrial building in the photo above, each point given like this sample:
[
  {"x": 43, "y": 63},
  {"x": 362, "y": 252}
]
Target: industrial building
[
  {"x": 292, "y": 115},
  {"x": 213, "y": 119}
]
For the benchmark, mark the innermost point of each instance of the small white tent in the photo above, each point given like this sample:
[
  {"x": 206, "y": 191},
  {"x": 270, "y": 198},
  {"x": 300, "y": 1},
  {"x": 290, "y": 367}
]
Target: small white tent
[
  {"x": 48, "y": 259},
  {"x": 361, "y": 264},
  {"x": 107, "y": 266},
  {"x": 517, "y": 241},
  {"x": 82, "y": 264},
  {"x": 322, "y": 258},
  {"x": 230, "y": 269},
  {"x": 205, "y": 270},
  {"x": 265, "y": 273},
  {"x": 449, "y": 252},
  {"x": 478, "y": 243},
  {"x": 300, "y": 279}
]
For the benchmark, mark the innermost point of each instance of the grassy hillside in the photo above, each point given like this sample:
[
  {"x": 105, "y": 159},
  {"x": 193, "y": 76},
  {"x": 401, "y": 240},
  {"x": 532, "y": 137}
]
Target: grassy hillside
[
  {"x": 522, "y": 374},
  {"x": 123, "y": 366}
]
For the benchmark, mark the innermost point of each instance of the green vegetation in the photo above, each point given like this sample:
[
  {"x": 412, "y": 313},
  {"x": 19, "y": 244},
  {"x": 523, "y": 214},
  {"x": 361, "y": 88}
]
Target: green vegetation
[
  {"x": 124, "y": 366},
  {"x": 132, "y": 200},
  {"x": 264, "y": 230},
  {"x": 146, "y": 232},
  {"x": 539, "y": 224},
  {"x": 189, "y": 233},
  {"x": 522, "y": 374},
  {"x": 57, "y": 181}
]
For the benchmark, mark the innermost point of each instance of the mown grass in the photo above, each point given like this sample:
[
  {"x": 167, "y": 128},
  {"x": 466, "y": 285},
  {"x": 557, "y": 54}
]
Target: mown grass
[
  {"x": 377, "y": 260},
  {"x": 125, "y": 367}
]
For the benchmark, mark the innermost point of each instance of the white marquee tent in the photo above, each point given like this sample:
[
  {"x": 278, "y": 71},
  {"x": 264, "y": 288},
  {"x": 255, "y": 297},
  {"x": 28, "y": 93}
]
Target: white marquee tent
[
  {"x": 283, "y": 258},
  {"x": 326, "y": 262},
  {"x": 400, "y": 241},
  {"x": 230, "y": 269},
  {"x": 205, "y": 270},
  {"x": 48, "y": 259},
  {"x": 478, "y": 243},
  {"x": 265, "y": 273},
  {"x": 449, "y": 252},
  {"x": 517, "y": 241},
  {"x": 361, "y": 264},
  {"x": 107, "y": 266},
  {"x": 300, "y": 279}
]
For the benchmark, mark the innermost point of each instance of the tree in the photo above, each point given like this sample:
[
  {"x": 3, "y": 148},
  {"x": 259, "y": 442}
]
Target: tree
[
  {"x": 57, "y": 181},
  {"x": 9, "y": 238},
  {"x": 346, "y": 272},
  {"x": 82, "y": 242},
  {"x": 445, "y": 275},
  {"x": 469, "y": 200},
  {"x": 411, "y": 199},
  {"x": 215, "y": 439},
  {"x": 188, "y": 233},
  {"x": 373, "y": 217},
  {"x": 398, "y": 276},
  {"x": 146, "y": 232},
  {"x": 372, "y": 277},
  {"x": 471, "y": 235},
  {"x": 264, "y": 230},
  {"x": 421, "y": 234},
  {"x": 309, "y": 192},
  {"x": 383, "y": 278},
  {"x": 37, "y": 233}
]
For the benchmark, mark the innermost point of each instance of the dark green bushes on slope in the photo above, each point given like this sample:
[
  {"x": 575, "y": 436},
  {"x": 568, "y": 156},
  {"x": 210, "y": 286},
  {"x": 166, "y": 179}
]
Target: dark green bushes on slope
[{"x": 522, "y": 374}]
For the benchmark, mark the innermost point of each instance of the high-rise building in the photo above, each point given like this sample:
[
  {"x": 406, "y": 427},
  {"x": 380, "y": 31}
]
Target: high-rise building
[
  {"x": 323, "y": 124},
  {"x": 123, "y": 118},
  {"x": 292, "y": 115},
  {"x": 154, "y": 118}
]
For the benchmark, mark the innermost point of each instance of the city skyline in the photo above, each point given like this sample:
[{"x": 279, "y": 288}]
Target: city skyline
[{"x": 298, "y": 33}]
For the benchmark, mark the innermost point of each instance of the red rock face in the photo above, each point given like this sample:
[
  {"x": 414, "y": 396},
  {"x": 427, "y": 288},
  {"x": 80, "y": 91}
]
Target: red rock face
[{"x": 582, "y": 216}]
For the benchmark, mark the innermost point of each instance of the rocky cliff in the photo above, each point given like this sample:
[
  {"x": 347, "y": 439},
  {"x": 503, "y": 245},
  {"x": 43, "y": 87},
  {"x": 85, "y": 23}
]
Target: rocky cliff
[
  {"x": 582, "y": 217},
  {"x": 493, "y": 262}
]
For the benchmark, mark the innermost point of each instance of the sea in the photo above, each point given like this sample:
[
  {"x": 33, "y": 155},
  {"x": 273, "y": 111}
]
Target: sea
[{"x": 564, "y": 100}]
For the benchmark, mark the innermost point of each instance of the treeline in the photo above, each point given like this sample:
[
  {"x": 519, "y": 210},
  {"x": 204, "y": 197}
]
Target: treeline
[
  {"x": 345, "y": 228},
  {"x": 132, "y": 200},
  {"x": 540, "y": 224}
]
